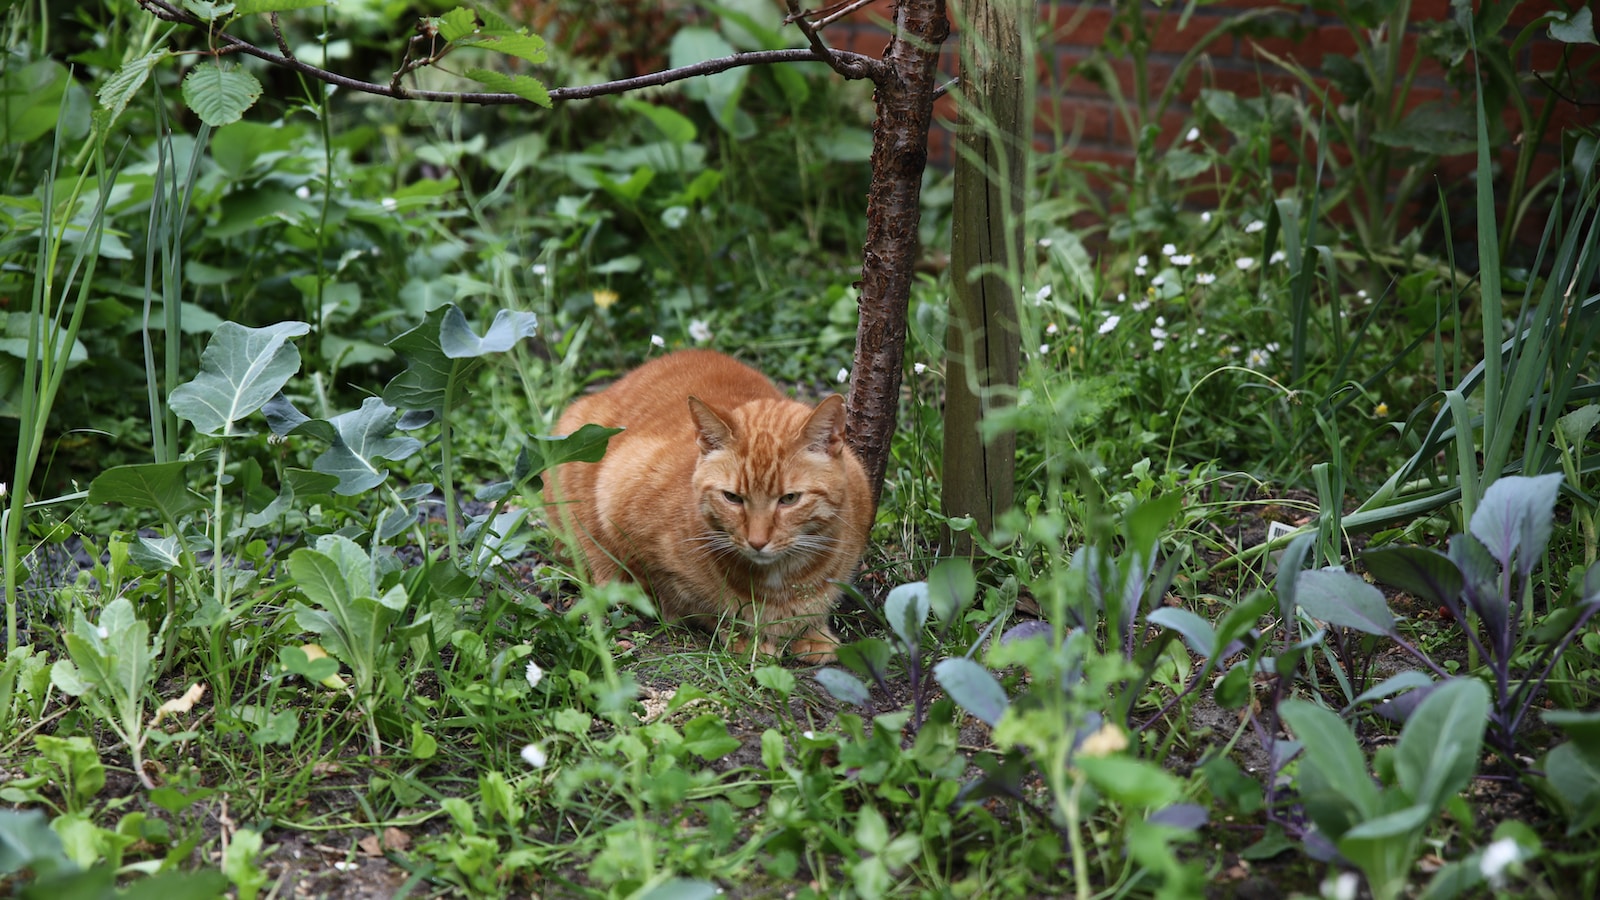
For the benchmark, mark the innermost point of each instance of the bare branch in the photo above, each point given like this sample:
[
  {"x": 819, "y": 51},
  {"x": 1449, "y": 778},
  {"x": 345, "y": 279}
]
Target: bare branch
[
  {"x": 834, "y": 61},
  {"x": 839, "y": 11},
  {"x": 850, "y": 65}
]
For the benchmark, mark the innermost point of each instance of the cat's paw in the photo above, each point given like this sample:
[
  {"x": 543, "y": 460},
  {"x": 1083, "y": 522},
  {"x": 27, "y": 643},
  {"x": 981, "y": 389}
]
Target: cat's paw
[
  {"x": 739, "y": 645},
  {"x": 815, "y": 648}
]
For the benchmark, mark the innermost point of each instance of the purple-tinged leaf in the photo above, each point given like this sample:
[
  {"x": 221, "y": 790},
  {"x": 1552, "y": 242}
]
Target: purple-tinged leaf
[
  {"x": 973, "y": 688},
  {"x": 1188, "y": 816},
  {"x": 1030, "y": 629},
  {"x": 1514, "y": 517},
  {"x": 1339, "y": 598},
  {"x": 1196, "y": 632},
  {"x": 1481, "y": 587},
  {"x": 843, "y": 686},
  {"x": 1409, "y": 680},
  {"x": 1428, "y": 574},
  {"x": 1437, "y": 754},
  {"x": 1591, "y": 586}
]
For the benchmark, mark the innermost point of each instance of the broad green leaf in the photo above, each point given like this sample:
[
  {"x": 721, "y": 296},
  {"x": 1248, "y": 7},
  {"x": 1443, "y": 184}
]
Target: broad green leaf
[
  {"x": 973, "y": 688},
  {"x": 1583, "y": 727},
  {"x": 523, "y": 46},
  {"x": 239, "y": 863},
  {"x": 1435, "y": 128},
  {"x": 457, "y": 341},
  {"x": 683, "y": 889},
  {"x": 1514, "y": 517},
  {"x": 156, "y": 554},
  {"x": 951, "y": 588},
  {"x": 707, "y": 737},
  {"x": 363, "y": 441},
  {"x": 1574, "y": 27},
  {"x": 162, "y": 487},
  {"x": 775, "y": 678},
  {"x": 525, "y": 86},
  {"x": 1422, "y": 571},
  {"x": 1410, "y": 679},
  {"x": 120, "y": 88},
  {"x": 219, "y": 93},
  {"x": 1575, "y": 778},
  {"x": 1132, "y": 782},
  {"x": 68, "y": 680},
  {"x": 241, "y": 369},
  {"x": 16, "y": 336},
  {"x": 457, "y": 23},
  {"x": 1340, "y": 598},
  {"x": 1197, "y": 632},
  {"x": 1332, "y": 751},
  {"x": 26, "y": 842},
  {"x": 697, "y": 44},
  {"x": 429, "y": 371},
  {"x": 673, "y": 125},
  {"x": 1576, "y": 425},
  {"x": 906, "y": 608},
  {"x": 1438, "y": 750},
  {"x": 872, "y": 832},
  {"x": 843, "y": 686}
]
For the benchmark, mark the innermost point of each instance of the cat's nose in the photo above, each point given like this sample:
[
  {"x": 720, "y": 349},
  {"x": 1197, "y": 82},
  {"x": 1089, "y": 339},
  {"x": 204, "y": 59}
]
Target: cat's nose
[{"x": 759, "y": 544}]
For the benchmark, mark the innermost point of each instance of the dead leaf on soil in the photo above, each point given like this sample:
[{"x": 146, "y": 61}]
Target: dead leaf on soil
[
  {"x": 324, "y": 769},
  {"x": 179, "y": 705}
]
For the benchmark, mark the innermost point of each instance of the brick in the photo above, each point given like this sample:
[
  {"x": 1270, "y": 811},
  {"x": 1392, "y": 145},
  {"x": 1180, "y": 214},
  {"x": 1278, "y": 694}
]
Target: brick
[
  {"x": 1166, "y": 37},
  {"x": 1076, "y": 24},
  {"x": 1088, "y": 120},
  {"x": 1171, "y": 122}
]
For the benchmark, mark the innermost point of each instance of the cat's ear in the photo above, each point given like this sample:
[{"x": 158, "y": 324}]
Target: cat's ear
[
  {"x": 824, "y": 431},
  {"x": 714, "y": 434}
]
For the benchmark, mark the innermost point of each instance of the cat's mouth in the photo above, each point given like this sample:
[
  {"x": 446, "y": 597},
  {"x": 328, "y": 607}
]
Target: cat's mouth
[{"x": 766, "y": 556}]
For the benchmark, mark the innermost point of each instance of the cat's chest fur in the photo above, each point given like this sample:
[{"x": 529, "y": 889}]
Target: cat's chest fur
[{"x": 727, "y": 501}]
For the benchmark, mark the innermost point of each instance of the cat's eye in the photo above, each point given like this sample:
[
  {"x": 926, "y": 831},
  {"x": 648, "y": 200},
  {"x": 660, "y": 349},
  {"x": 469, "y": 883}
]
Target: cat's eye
[
  {"x": 733, "y": 498},
  {"x": 789, "y": 499}
]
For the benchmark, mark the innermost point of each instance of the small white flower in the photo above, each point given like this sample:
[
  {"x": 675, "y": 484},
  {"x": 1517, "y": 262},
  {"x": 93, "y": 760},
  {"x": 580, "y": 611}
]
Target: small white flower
[
  {"x": 699, "y": 331},
  {"x": 389, "y": 203},
  {"x": 2, "y": 488},
  {"x": 1051, "y": 328},
  {"x": 843, "y": 376},
  {"x": 534, "y": 755},
  {"x": 303, "y": 192},
  {"x": 657, "y": 340},
  {"x": 1205, "y": 218},
  {"x": 1043, "y": 349},
  {"x": 1045, "y": 242},
  {"x": 1257, "y": 359},
  {"x": 1231, "y": 349},
  {"x": 1272, "y": 346},
  {"x": 1193, "y": 135},
  {"x": 1200, "y": 331},
  {"x": 1169, "y": 249},
  {"x": 1141, "y": 305},
  {"x": 1205, "y": 278},
  {"x": 103, "y": 632},
  {"x": 1122, "y": 298},
  {"x": 1182, "y": 259},
  {"x": 1159, "y": 333},
  {"x": 1109, "y": 324},
  {"x": 809, "y": 735},
  {"x": 1496, "y": 858},
  {"x": 345, "y": 865},
  {"x": 1245, "y": 263},
  {"x": 1254, "y": 227},
  {"x": 538, "y": 270},
  {"x": 1159, "y": 280},
  {"x": 1138, "y": 270},
  {"x": 1342, "y": 886},
  {"x": 1043, "y": 293},
  {"x": 1143, "y": 260},
  {"x": 1158, "y": 346},
  {"x": 919, "y": 368},
  {"x": 1161, "y": 321},
  {"x": 1277, "y": 256},
  {"x": 533, "y": 673}
]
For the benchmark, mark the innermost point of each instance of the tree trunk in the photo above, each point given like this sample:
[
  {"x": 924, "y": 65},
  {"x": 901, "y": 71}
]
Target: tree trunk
[
  {"x": 904, "y": 99},
  {"x": 981, "y": 345}
]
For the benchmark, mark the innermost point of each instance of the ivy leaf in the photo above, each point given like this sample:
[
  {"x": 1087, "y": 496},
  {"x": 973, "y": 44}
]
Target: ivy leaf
[{"x": 219, "y": 93}]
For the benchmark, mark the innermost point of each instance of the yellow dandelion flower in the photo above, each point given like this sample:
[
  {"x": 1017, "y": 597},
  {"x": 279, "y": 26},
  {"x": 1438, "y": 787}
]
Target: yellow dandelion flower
[
  {"x": 605, "y": 298},
  {"x": 1381, "y": 410}
]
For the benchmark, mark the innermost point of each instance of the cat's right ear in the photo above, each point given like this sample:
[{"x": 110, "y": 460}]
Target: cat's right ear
[{"x": 714, "y": 434}]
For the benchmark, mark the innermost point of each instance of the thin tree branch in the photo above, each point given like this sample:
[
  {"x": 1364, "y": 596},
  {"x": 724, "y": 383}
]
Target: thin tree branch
[
  {"x": 850, "y": 65},
  {"x": 838, "y": 11},
  {"x": 834, "y": 61}
]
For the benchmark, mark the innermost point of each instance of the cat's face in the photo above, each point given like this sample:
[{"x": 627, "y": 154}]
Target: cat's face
[{"x": 770, "y": 479}]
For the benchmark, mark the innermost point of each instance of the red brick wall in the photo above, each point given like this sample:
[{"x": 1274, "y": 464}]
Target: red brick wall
[{"x": 1071, "y": 103}]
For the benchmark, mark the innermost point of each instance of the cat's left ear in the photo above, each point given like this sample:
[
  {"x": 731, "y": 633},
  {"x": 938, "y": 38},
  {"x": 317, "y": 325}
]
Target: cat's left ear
[
  {"x": 824, "y": 431},
  {"x": 714, "y": 434}
]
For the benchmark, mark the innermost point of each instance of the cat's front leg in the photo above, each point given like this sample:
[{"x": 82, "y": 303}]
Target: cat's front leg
[{"x": 817, "y": 646}]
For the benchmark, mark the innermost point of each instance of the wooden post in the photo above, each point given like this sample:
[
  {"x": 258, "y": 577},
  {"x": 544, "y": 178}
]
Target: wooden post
[{"x": 982, "y": 344}]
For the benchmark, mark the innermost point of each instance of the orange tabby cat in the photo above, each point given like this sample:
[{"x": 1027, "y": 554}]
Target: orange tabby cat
[{"x": 728, "y": 502}]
